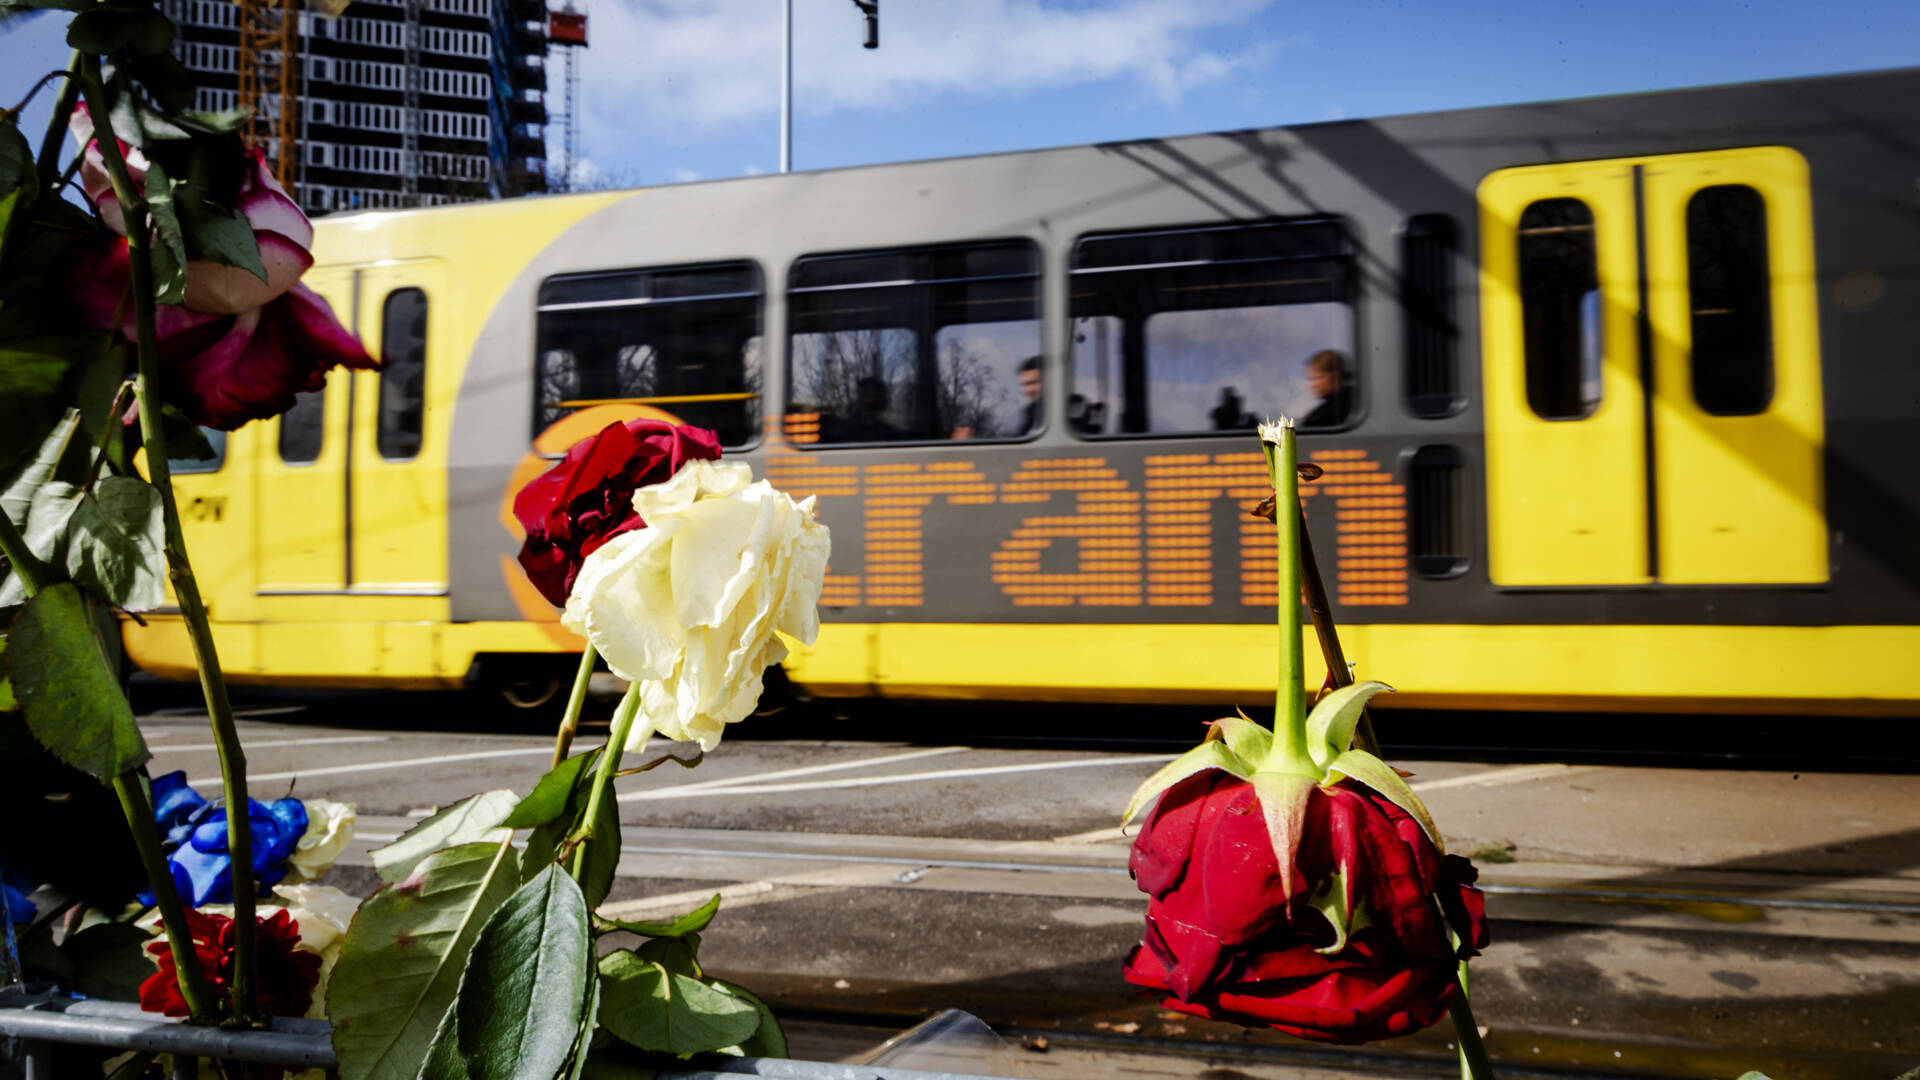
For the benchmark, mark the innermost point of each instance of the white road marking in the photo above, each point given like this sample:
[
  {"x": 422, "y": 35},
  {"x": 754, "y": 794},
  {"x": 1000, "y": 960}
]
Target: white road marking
[
  {"x": 732, "y": 782},
  {"x": 748, "y": 893},
  {"x": 738, "y": 788},
  {"x": 252, "y": 744},
  {"x": 375, "y": 766},
  {"x": 1107, "y": 835},
  {"x": 1515, "y": 774}
]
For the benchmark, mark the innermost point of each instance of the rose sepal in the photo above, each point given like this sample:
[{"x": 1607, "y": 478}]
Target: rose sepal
[
  {"x": 1283, "y": 805},
  {"x": 1378, "y": 775},
  {"x": 1330, "y": 725},
  {"x": 1213, "y": 753}
]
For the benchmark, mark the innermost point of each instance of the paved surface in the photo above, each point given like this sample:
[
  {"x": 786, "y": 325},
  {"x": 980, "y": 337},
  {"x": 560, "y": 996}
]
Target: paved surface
[{"x": 1665, "y": 921}]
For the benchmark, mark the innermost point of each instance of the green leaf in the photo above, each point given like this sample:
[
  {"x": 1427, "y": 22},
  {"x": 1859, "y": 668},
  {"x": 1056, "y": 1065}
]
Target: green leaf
[
  {"x": 17, "y": 499},
  {"x": 691, "y": 923},
  {"x": 644, "y": 1004},
  {"x": 1283, "y": 802},
  {"x": 223, "y": 122},
  {"x": 19, "y": 177},
  {"x": 47, "y": 524},
  {"x": 1330, "y": 725},
  {"x": 167, "y": 79},
  {"x": 1380, "y": 776},
  {"x": 186, "y": 440},
  {"x": 1249, "y": 741},
  {"x": 473, "y": 819},
  {"x": 1211, "y": 754},
  {"x": 602, "y": 852},
  {"x": 220, "y": 234},
  {"x": 676, "y": 954},
  {"x": 401, "y": 963},
  {"x": 767, "y": 1040},
  {"x": 108, "y": 29},
  {"x": 115, "y": 544},
  {"x": 8, "y": 703},
  {"x": 69, "y": 693},
  {"x": 549, "y": 798},
  {"x": 443, "y": 1056},
  {"x": 169, "y": 252},
  {"x": 31, "y": 372},
  {"x": 525, "y": 983},
  {"x": 581, "y": 1052}
]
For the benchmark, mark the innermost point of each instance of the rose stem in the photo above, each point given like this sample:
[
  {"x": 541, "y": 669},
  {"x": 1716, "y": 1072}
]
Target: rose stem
[
  {"x": 1322, "y": 614},
  {"x": 49, "y": 160},
  {"x": 570, "y": 723},
  {"x": 1473, "y": 1053},
  {"x": 133, "y": 803},
  {"x": 186, "y": 959},
  {"x": 1289, "y": 705},
  {"x": 193, "y": 611},
  {"x": 603, "y": 773}
]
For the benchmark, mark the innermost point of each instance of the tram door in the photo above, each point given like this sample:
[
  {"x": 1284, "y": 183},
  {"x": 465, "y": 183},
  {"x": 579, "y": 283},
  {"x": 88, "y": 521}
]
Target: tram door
[
  {"x": 300, "y": 479},
  {"x": 351, "y": 493},
  {"x": 1651, "y": 372}
]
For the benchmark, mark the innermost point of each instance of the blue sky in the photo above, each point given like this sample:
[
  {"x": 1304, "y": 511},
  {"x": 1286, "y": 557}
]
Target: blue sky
[{"x": 676, "y": 90}]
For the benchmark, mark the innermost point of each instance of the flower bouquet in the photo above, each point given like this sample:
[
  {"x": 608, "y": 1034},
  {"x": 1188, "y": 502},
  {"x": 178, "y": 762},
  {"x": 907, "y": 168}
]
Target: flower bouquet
[{"x": 169, "y": 300}]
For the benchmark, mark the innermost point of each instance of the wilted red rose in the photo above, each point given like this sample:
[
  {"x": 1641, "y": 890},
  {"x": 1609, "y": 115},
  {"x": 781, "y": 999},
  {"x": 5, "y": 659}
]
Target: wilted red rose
[
  {"x": 570, "y": 510},
  {"x": 1226, "y": 940},
  {"x": 285, "y": 975},
  {"x": 238, "y": 347}
]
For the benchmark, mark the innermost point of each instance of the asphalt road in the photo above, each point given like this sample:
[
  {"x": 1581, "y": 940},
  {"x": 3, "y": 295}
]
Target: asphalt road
[{"x": 1651, "y": 920}]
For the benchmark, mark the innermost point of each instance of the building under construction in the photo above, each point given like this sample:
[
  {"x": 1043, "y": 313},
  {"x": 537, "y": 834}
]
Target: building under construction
[{"x": 393, "y": 102}]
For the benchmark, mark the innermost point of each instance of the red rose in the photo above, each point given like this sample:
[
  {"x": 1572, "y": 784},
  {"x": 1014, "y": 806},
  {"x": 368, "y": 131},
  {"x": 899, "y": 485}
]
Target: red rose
[
  {"x": 570, "y": 510},
  {"x": 284, "y": 974},
  {"x": 222, "y": 369},
  {"x": 1226, "y": 941}
]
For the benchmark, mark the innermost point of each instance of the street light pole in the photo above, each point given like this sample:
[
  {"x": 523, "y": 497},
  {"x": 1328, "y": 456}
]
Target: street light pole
[
  {"x": 786, "y": 90},
  {"x": 868, "y": 8}
]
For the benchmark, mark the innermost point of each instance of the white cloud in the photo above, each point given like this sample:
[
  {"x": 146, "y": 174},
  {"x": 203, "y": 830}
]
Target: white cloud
[
  {"x": 750, "y": 169},
  {"x": 667, "y": 66},
  {"x": 684, "y": 175}
]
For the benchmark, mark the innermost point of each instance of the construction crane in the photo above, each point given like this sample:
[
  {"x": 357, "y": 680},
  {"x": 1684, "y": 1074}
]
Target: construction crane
[
  {"x": 269, "y": 51},
  {"x": 567, "y": 29}
]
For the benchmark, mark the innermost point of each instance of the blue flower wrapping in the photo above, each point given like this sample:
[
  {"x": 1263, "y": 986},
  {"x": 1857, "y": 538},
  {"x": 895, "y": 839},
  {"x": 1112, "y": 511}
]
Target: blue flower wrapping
[
  {"x": 15, "y": 887},
  {"x": 202, "y": 867}
]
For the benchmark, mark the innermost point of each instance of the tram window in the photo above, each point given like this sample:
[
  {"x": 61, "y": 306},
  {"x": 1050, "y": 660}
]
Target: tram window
[
  {"x": 1212, "y": 329},
  {"x": 683, "y": 340},
  {"x": 403, "y": 374},
  {"x": 1427, "y": 249},
  {"x": 1437, "y": 520},
  {"x": 1560, "y": 308},
  {"x": 303, "y": 427},
  {"x": 1732, "y": 310},
  {"x": 919, "y": 345},
  {"x": 217, "y": 442}
]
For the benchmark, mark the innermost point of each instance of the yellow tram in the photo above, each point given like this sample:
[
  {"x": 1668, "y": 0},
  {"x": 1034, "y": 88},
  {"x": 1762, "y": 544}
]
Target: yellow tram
[{"x": 1618, "y": 413}]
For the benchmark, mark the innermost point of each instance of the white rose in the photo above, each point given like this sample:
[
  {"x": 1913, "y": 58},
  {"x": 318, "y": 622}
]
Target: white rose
[
  {"x": 329, "y": 828},
  {"x": 688, "y": 607},
  {"x": 323, "y": 913}
]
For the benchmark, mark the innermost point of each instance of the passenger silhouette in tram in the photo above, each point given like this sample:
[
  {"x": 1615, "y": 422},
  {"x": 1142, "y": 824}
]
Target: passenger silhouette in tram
[
  {"x": 1327, "y": 376},
  {"x": 1030, "y": 387},
  {"x": 1231, "y": 413},
  {"x": 867, "y": 422}
]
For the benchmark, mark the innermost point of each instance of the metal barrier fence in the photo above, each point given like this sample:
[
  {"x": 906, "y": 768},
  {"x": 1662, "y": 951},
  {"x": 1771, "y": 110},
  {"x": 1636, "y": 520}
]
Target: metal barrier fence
[{"x": 37, "y": 1021}]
